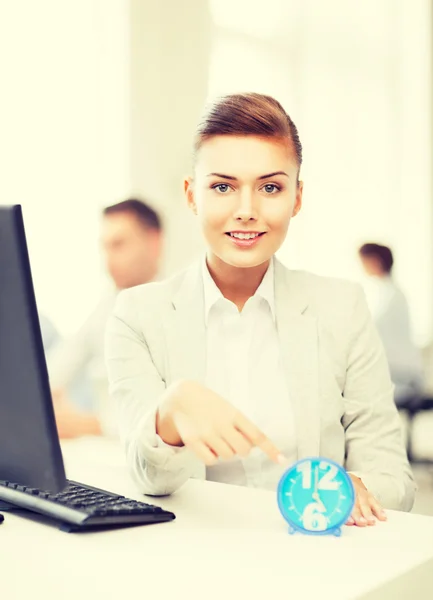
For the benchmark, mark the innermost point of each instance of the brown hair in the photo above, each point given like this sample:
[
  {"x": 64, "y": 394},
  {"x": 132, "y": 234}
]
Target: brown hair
[
  {"x": 381, "y": 253},
  {"x": 141, "y": 211},
  {"x": 248, "y": 114}
]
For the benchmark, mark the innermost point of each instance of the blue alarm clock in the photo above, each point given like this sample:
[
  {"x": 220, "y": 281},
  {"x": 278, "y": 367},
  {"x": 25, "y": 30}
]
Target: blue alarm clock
[{"x": 316, "y": 496}]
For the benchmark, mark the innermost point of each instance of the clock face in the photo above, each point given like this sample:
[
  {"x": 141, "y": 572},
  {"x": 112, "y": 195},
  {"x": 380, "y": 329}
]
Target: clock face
[{"x": 315, "y": 495}]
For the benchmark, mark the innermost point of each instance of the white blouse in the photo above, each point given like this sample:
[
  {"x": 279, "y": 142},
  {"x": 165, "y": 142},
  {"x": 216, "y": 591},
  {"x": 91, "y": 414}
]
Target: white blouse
[{"x": 244, "y": 366}]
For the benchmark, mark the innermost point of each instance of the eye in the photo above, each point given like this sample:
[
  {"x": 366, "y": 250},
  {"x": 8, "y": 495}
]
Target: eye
[
  {"x": 271, "y": 188},
  {"x": 222, "y": 188}
]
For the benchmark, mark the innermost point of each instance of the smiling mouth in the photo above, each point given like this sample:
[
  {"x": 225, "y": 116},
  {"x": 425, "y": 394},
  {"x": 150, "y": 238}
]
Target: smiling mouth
[{"x": 244, "y": 235}]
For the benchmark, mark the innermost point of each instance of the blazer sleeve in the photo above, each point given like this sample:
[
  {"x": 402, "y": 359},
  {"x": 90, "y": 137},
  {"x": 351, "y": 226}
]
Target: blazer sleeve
[
  {"x": 136, "y": 387},
  {"x": 374, "y": 447}
]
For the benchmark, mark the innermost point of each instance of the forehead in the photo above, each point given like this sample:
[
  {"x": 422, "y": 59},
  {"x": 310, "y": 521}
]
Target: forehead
[{"x": 244, "y": 156}]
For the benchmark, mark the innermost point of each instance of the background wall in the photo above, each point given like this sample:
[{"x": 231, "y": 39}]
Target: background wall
[
  {"x": 100, "y": 99},
  {"x": 169, "y": 72},
  {"x": 64, "y": 123}
]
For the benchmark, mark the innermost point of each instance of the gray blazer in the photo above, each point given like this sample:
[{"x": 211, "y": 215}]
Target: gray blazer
[{"x": 336, "y": 369}]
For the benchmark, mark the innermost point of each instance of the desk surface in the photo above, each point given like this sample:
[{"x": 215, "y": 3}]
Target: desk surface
[{"x": 226, "y": 541}]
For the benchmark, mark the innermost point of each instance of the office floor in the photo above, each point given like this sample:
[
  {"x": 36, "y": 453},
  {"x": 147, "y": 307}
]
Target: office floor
[{"x": 423, "y": 447}]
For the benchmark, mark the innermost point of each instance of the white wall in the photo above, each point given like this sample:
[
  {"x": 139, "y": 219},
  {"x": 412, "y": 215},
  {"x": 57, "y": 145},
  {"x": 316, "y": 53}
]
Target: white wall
[
  {"x": 169, "y": 84},
  {"x": 64, "y": 139}
]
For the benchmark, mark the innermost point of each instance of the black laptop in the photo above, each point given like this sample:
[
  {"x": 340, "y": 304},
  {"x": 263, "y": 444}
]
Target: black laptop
[{"x": 32, "y": 475}]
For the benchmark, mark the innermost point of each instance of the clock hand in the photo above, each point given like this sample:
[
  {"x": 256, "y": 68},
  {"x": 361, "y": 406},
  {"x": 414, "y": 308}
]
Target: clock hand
[
  {"x": 316, "y": 496},
  {"x": 316, "y": 486},
  {"x": 319, "y": 501}
]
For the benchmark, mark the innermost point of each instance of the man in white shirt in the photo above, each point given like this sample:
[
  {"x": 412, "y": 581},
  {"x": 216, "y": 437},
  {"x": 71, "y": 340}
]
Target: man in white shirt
[
  {"x": 80, "y": 392},
  {"x": 132, "y": 245},
  {"x": 390, "y": 312}
]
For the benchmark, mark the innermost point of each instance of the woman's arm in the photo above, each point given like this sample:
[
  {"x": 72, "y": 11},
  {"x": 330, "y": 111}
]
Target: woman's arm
[
  {"x": 374, "y": 447},
  {"x": 137, "y": 388},
  {"x": 200, "y": 426}
]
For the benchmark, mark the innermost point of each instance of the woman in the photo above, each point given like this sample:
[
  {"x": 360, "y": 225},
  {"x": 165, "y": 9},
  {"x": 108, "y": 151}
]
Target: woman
[{"x": 238, "y": 366}]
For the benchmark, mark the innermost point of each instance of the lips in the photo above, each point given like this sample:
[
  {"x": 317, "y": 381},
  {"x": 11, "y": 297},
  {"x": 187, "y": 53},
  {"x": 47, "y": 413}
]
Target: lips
[{"x": 245, "y": 239}]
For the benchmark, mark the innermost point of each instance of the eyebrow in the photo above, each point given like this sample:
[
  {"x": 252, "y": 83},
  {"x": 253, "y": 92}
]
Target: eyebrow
[{"x": 231, "y": 178}]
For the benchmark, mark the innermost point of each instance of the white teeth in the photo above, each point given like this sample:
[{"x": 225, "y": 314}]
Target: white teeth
[{"x": 244, "y": 236}]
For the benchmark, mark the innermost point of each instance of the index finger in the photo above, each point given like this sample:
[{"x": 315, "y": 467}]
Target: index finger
[{"x": 259, "y": 439}]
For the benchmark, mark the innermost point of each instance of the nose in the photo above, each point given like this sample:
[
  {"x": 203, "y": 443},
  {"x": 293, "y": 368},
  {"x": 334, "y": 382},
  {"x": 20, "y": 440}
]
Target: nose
[{"x": 246, "y": 210}]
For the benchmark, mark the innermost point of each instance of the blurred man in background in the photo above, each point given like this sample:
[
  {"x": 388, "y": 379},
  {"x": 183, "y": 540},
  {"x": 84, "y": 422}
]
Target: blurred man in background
[
  {"x": 80, "y": 391},
  {"x": 390, "y": 312},
  {"x": 50, "y": 335},
  {"x": 132, "y": 246}
]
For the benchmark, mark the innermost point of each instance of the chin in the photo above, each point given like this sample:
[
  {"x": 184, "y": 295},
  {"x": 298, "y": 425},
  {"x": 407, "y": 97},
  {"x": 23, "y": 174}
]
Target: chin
[
  {"x": 245, "y": 259},
  {"x": 123, "y": 285}
]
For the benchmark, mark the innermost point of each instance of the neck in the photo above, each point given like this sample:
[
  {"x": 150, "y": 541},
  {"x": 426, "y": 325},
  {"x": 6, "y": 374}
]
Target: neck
[{"x": 237, "y": 284}]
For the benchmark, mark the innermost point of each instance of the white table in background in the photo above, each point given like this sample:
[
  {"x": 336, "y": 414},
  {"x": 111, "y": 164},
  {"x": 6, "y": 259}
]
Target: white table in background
[{"x": 226, "y": 542}]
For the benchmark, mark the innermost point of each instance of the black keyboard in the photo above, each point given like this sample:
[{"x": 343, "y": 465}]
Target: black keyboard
[{"x": 82, "y": 507}]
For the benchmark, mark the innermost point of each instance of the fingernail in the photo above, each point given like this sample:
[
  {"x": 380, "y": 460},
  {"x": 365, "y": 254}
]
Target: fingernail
[{"x": 282, "y": 460}]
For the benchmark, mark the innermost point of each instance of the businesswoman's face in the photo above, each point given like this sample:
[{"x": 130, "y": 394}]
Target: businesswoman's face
[{"x": 244, "y": 192}]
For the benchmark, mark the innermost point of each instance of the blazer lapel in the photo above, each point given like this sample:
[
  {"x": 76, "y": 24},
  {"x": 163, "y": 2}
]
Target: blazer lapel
[
  {"x": 185, "y": 330},
  {"x": 298, "y": 337}
]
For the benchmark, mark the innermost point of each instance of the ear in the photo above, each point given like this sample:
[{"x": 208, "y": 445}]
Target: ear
[
  {"x": 188, "y": 187},
  {"x": 156, "y": 240},
  {"x": 298, "y": 202}
]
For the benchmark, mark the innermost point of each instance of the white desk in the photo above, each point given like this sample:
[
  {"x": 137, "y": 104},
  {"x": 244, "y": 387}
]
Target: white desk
[{"x": 227, "y": 542}]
